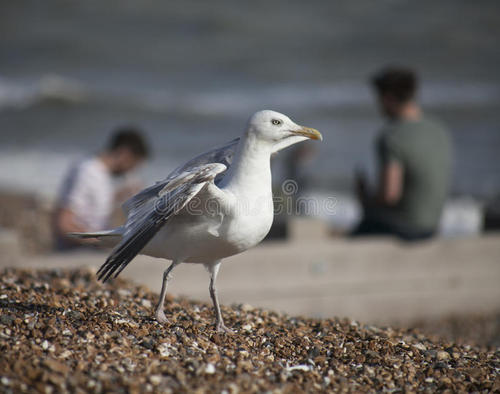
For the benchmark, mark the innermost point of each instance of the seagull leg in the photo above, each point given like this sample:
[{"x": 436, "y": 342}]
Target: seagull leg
[
  {"x": 160, "y": 314},
  {"x": 213, "y": 269}
]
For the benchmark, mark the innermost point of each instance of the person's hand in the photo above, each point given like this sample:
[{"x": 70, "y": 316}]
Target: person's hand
[
  {"x": 86, "y": 241},
  {"x": 66, "y": 222}
]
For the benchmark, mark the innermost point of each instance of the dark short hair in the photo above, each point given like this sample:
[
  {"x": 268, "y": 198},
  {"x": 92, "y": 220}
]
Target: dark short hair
[
  {"x": 399, "y": 82},
  {"x": 130, "y": 138}
]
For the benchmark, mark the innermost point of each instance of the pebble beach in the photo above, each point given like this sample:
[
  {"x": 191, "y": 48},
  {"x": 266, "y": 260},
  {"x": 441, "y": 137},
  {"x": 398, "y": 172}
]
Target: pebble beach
[{"x": 62, "y": 331}]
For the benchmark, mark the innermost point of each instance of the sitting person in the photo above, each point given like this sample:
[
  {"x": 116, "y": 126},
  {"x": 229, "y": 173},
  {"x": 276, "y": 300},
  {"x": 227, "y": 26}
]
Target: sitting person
[
  {"x": 87, "y": 196},
  {"x": 414, "y": 159}
]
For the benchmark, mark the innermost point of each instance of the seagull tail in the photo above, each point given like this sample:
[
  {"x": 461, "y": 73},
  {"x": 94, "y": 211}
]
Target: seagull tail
[{"x": 116, "y": 232}]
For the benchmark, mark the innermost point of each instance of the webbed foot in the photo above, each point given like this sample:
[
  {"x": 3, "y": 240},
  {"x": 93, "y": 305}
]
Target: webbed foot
[
  {"x": 160, "y": 316},
  {"x": 223, "y": 329}
]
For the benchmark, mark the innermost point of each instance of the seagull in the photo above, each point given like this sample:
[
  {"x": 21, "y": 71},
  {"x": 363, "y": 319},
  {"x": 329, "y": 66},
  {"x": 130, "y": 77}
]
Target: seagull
[{"x": 216, "y": 205}]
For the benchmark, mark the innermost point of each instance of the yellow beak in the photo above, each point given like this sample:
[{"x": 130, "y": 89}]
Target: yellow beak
[{"x": 309, "y": 133}]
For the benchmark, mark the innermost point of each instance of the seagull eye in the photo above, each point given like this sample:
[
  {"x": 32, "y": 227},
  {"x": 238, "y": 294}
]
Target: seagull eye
[{"x": 276, "y": 122}]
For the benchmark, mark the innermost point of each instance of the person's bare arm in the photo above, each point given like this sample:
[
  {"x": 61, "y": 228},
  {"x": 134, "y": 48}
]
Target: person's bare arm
[
  {"x": 65, "y": 222},
  {"x": 391, "y": 183}
]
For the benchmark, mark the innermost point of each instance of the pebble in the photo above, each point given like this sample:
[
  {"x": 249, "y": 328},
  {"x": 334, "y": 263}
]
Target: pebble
[
  {"x": 210, "y": 369},
  {"x": 74, "y": 315},
  {"x": 155, "y": 379},
  {"x": 6, "y": 319},
  {"x": 443, "y": 355},
  {"x": 146, "y": 303},
  {"x": 246, "y": 308}
]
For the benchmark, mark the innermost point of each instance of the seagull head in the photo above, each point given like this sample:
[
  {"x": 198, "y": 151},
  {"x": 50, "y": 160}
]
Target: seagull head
[{"x": 279, "y": 130}]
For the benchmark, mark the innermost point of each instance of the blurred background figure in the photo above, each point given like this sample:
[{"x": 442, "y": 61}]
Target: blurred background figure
[
  {"x": 88, "y": 194},
  {"x": 414, "y": 161}
]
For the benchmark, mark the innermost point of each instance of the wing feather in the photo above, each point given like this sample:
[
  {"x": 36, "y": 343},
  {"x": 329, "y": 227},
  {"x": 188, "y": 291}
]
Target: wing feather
[
  {"x": 223, "y": 155},
  {"x": 145, "y": 220}
]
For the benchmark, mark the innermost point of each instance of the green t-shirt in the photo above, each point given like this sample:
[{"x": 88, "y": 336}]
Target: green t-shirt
[{"x": 423, "y": 148}]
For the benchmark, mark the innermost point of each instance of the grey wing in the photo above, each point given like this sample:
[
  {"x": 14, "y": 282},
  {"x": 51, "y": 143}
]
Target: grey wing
[
  {"x": 223, "y": 155},
  {"x": 145, "y": 220}
]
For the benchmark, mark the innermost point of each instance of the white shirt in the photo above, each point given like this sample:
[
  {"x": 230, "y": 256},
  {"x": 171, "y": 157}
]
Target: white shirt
[{"x": 88, "y": 192}]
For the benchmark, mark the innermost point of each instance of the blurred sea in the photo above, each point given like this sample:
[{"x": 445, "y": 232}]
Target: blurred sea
[{"x": 190, "y": 73}]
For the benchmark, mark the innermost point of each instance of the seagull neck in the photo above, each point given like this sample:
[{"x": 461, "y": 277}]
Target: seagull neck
[{"x": 251, "y": 164}]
